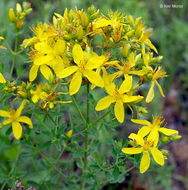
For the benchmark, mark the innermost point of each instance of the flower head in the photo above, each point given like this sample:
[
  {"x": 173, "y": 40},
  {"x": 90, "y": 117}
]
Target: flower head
[
  {"x": 154, "y": 128},
  {"x": 85, "y": 63},
  {"x": 14, "y": 117},
  {"x": 118, "y": 96},
  {"x": 145, "y": 146}
]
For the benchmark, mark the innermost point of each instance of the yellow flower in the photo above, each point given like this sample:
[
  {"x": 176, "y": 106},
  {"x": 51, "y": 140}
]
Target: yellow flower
[
  {"x": 2, "y": 47},
  {"x": 145, "y": 146},
  {"x": 14, "y": 117},
  {"x": 2, "y": 79},
  {"x": 47, "y": 55},
  {"x": 38, "y": 94},
  {"x": 153, "y": 128},
  {"x": 85, "y": 63},
  {"x": 158, "y": 74},
  {"x": 69, "y": 133},
  {"x": 118, "y": 97}
]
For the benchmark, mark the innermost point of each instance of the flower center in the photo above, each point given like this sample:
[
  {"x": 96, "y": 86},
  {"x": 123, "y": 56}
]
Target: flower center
[
  {"x": 147, "y": 144},
  {"x": 12, "y": 115}
]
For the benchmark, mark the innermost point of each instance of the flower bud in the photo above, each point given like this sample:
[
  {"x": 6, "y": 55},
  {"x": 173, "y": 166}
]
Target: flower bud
[
  {"x": 26, "y": 5},
  {"x": 165, "y": 152},
  {"x": 69, "y": 133},
  {"x": 131, "y": 19},
  {"x": 18, "y": 8},
  {"x": 176, "y": 137},
  {"x": 130, "y": 33},
  {"x": 95, "y": 15},
  {"x": 165, "y": 139},
  {"x": 51, "y": 105},
  {"x": 19, "y": 24},
  {"x": 80, "y": 33},
  {"x": 28, "y": 11},
  {"x": 84, "y": 19},
  {"x": 125, "y": 50},
  {"x": 11, "y": 15},
  {"x": 91, "y": 10}
]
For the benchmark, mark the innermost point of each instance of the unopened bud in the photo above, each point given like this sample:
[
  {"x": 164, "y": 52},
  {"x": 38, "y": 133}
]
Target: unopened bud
[
  {"x": 131, "y": 19},
  {"x": 165, "y": 157},
  {"x": 19, "y": 24},
  {"x": 80, "y": 33},
  {"x": 91, "y": 10},
  {"x": 26, "y": 5},
  {"x": 18, "y": 8},
  {"x": 69, "y": 133},
  {"x": 11, "y": 15},
  {"x": 125, "y": 50},
  {"x": 165, "y": 152},
  {"x": 165, "y": 139},
  {"x": 51, "y": 105},
  {"x": 176, "y": 137},
  {"x": 130, "y": 33},
  {"x": 84, "y": 19}
]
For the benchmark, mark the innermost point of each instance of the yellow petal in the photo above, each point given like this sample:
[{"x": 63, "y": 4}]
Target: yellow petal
[
  {"x": 4, "y": 113},
  {"x": 35, "y": 98},
  {"x": 104, "y": 103},
  {"x": 75, "y": 83},
  {"x": 33, "y": 72},
  {"x": 144, "y": 131},
  {"x": 2, "y": 79},
  {"x": 46, "y": 72},
  {"x": 132, "y": 60},
  {"x": 78, "y": 54},
  {"x": 160, "y": 88},
  {"x": 155, "y": 143},
  {"x": 95, "y": 62},
  {"x": 42, "y": 60},
  {"x": 168, "y": 132},
  {"x": 135, "y": 137},
  {"x": 145, "y": 162},
  {"x": 146, "y": 59},
  {"x": 148, "y": 42},
  {"x": 94, "y": 78},
  {"x": 157, "y": 155},
  {"x": 119, "y": 111},
  {"x": 67, "y": 71},
  {"x": 153, "y": 134},
  {"x": 2, "y": 47},
  {"x": 150, "y": 94},
  {"x": 7, "y": 121},
  {"x": 134, "y": 99},
  {"x": 26, "y": 120},
  {"x": 19, "y": 110},
  {"x": 59, "y": 46},
  {"x": 131, "y": 150},
  {"x": 17, "y": 129},
  {"x": 144, "y": 36},
  {"x": 141, "y": 122},
  {"x": 126, "y": 85}
]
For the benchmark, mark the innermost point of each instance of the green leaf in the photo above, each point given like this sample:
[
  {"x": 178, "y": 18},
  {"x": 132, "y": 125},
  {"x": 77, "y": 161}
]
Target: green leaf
[{"x": 115, "y": 173}]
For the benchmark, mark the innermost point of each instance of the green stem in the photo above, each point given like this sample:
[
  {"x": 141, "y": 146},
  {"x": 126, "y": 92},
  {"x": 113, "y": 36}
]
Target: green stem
[
  {"x": 48, "y": 162},
  {"x": 76, "y": 106},
  {"x": 86, "y": 139},
  {"x": 78, "y": 109},
  {"x": 14, "y": 55},
  {"x": 100, "y": 118}
]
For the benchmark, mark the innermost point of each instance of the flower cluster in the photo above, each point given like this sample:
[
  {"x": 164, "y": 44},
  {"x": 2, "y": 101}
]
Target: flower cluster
[
  {"x": 111, "y": 52},
  {"x": 64, "y": 50},
  {"x": 147, "y": 140}
]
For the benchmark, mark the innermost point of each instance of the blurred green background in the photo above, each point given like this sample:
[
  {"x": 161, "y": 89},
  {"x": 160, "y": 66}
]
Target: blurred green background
[{"x": 170, "y": 36}]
